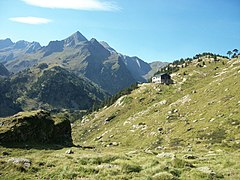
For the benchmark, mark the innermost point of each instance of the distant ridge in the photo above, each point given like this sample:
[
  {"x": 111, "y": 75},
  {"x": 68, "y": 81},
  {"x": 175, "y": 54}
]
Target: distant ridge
[{"x": 95, "y": 60}]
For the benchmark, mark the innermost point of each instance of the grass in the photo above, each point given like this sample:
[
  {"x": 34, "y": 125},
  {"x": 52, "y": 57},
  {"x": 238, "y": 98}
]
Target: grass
[{"x": 55, "y": 164}]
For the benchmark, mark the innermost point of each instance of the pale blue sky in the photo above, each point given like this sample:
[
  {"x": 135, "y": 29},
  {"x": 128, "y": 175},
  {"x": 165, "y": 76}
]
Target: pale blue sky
[{"x": 150, "y": 29}]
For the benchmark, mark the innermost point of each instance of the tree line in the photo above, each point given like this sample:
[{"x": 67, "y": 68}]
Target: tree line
[{"x": 175, "y": 65}]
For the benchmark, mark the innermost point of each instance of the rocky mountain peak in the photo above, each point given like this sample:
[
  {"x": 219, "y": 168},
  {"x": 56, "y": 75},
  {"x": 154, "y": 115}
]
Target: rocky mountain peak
[
  {"x": 97, "y": 48},
  {"x": 97, "y": 44},
  {"x": 94, "y": 41},
  {"x": 21, "y": 44},
  {"x": 53, "y": 46},
  {"x": 33, "y": 47},
  {"x": 5, "y": 43},
  {"x": 74, "y": 39}
]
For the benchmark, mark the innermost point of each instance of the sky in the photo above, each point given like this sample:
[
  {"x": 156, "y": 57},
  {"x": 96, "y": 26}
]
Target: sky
[{"x": 163, "y": 30}]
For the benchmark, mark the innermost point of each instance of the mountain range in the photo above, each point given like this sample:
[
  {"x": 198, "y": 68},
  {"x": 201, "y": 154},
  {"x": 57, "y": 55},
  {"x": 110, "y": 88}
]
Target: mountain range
[
  {"x": 72, "y": 73},
  {"x": 94, "y": 60}
]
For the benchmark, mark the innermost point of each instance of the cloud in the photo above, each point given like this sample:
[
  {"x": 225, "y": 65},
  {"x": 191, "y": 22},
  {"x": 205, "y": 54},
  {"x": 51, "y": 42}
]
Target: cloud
[
  {"x": 90, "y": 5},
  {"x": 30, "y": 20}
]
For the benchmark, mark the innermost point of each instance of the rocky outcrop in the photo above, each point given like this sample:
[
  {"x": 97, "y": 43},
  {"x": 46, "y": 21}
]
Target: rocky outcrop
[
  {"x": 26, "y": 163},
  {"x": 35, "y": 127},
  {"x": 62, "y": 133}
]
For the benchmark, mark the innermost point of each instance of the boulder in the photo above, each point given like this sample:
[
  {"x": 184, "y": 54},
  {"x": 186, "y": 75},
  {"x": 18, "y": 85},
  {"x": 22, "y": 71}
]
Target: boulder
[
  {"x": 206, "y": 170},
  {"x": 69, "y": 151},
  {"x": 115, "y": 143},
  {"x": 112, "y": 144},
  {"x": 163, "y": 102},
  {"x": 98, "y": 138},
  {"x": 166, "y": 155},
  {"x": 189, "y": 156},
  {"x": 25, "y": 162}
]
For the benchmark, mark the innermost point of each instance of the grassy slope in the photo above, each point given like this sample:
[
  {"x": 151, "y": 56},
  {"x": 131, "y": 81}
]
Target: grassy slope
[
  {"x": 201, "y": 109},
  {"x": 198, "y": 115}
]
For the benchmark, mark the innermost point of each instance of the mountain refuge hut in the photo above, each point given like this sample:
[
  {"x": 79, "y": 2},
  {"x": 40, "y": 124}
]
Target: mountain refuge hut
[{"x": 163, "y": 78}]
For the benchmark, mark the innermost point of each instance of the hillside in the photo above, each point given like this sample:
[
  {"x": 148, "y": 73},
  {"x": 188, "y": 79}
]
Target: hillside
[
  {"x": 187, "y": 130},
  {"x": 200, "y": 108},
  {"x": 94, "y": 60},
  {"x": 8, "y": 106},
  {"x": 44, "y": 87},
  {"x": 200, "y": 112}
]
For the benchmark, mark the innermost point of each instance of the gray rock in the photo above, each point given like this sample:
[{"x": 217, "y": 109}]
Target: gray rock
[
  {"x": 115, "y": 144},
  {"x": 107, "y": 166},
  {"x": 98, "y": 138},
  {"x": 189, "y": 156},
  {"x": 131, "y": 153},
  {"x": 69, "y": 151},
  {"x": 148, "y": 151},
  {"x": 206, "y": 170},
  {"x": 160, "y": 148},
  {"x": 211, "y": 120},
  {"x": 166, "y": 155},
  {"x": 175, "y": 110},
  {"x": 112, "y": 144},
  {"x": 194, "y": 91},
  {"x": 163, "y": 102},
  {"x": 25, "y": 162}
]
